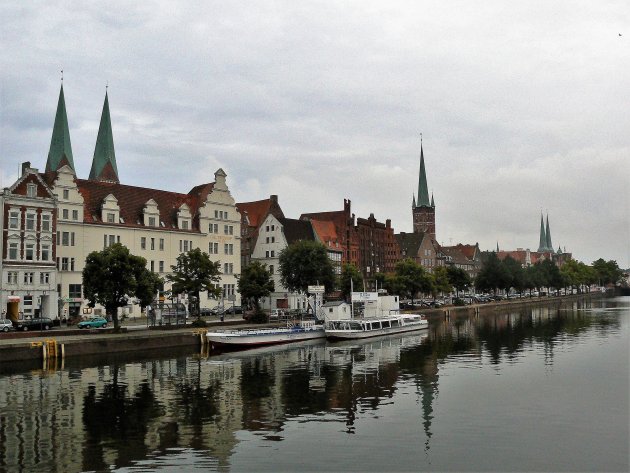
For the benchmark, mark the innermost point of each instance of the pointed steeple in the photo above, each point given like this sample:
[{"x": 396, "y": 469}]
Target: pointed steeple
[
  {"x": 542, "y": 246},
  {"x": 423, "y": 190},
  {"x": 104, "y": 161},
  {"x": 432, "y": 201},
  {"x": 548, "y": 234},
  {"x": 60, "y": 152},
  {"x": 497, "y": 246},
  {"x": 413, "y": 205}
]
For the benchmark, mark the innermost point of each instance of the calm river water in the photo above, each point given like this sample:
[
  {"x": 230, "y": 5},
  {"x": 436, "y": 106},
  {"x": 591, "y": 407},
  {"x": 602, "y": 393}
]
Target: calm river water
[{"x": 542, "y": 389}]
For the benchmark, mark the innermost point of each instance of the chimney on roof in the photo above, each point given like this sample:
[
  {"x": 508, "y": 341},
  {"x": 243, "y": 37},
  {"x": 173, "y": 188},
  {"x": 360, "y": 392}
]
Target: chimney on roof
[
  {"x": 388, "y": 223},
  {"x": 273, "y": 198},
  {"x": 25, "y": 165}
]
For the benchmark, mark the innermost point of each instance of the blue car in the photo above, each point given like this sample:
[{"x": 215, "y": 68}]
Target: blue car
[{"x": 94, "y": 322}]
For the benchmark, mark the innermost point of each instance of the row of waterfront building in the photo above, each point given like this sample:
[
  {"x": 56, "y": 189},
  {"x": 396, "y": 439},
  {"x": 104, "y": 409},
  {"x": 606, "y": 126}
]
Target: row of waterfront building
[{"x": 53, "y": 219}]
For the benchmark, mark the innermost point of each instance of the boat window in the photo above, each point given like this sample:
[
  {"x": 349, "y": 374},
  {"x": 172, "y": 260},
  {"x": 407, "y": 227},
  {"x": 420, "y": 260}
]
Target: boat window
[
  {"x": 395, "y": 323},
  {"x": 385, "y": 323}
]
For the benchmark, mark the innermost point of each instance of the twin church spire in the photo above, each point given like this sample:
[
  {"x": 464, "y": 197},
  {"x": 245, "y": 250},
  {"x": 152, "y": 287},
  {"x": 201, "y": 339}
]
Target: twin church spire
[
  {"x": 60, "y": 153},
  {"x": 544, "y": 244}
]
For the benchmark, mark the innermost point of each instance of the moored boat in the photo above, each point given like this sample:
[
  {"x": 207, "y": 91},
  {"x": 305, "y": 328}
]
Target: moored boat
[
  {"x": 365, "y": 327},
  {"x": 306, "y": 330}
]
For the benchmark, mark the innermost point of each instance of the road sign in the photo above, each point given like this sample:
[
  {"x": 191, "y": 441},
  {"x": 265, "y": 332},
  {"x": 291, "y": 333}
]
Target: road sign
[
  {"x": 316, "y": 289},
  {"x": 364, "y": 296}
]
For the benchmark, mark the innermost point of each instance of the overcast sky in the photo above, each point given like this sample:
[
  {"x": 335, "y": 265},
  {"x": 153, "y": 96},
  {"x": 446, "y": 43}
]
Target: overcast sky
[{"x": 523, "y": 107}]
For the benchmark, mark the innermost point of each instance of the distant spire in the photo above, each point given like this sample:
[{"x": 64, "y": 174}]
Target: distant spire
[
  {"x": 432, "y": 201},
  {"x": 60, "y": 152},
  {"x": 542, "y": 246},
  {"x": 548, "y": 234},
  {"x": 497, "y": 246},
  {"x": 104, "y": 161},
  {"x": 413, "y": 205},
  {"x": 423, "y": 190}
]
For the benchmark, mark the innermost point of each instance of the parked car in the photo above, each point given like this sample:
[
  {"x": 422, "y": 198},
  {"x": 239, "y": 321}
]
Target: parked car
[
  {"x": 205, "y": 311},
  {"x": 237, "y": 309},
  {"x": 93, "y": 322},
  {"x": 38, "y": 323},
  {"x": 6, "y": 325}
]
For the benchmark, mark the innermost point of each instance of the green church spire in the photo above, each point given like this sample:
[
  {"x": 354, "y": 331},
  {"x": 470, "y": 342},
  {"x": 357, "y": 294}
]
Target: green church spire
[
  {"x": 104, "y": 161},
  {"x": 548, "y": 234},
  {"x": 423, "y": 190},
  {"x": 60, "y": 152},
  {"x": 542, "y": 246}
]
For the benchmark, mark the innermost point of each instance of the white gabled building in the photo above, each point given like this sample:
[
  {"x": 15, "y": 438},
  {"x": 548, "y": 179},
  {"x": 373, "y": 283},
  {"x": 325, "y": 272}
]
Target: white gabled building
[
  {"x": 27, "y": 248},
  {"x": 274, "y": 235},
  {"x": 158, "y": 225}
]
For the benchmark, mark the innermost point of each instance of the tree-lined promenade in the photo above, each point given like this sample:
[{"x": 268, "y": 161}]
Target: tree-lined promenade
[{"x": 114, "y": 275}]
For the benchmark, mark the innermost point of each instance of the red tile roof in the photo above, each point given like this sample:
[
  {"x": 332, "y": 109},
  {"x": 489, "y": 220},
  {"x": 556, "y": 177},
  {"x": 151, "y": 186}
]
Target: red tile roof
[
  {"x": 325, "y": 231},
  {"x": 256, "y": 211},
  {"x": 132, "y": 200}
]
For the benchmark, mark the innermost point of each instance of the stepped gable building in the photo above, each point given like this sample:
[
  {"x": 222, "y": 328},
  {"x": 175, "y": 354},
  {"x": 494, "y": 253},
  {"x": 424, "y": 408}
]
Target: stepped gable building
[
  {"x": 367, "y": 244},
  {"x": 378, "y": 249},
  {"x": 423, "y": 210},
  {"x": 27, "y": 247},
  {"x": 466, "y": 257},
  {"x": 252, "y": 216},
  {"x": 326, "y": 233},
  {"x": 344, "y": 222},
  {"x": 421, "y": 248},
  {"x": 158, "y": 225},
  {"x": 273, "y": 236}
]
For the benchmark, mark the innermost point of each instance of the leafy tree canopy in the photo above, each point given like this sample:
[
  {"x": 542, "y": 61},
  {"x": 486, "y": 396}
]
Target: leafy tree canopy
[
  {"x": 349, "y": 272},
  {"x": 306, "y": 263},
  {"x": 412, "y": 278},
  {"x": 608, "y": 272},
  {"x": 441, "y": 282},
  {"x": 113, "y": 275},
  {"x": 458, "y": 278},
  {"x": 255, "y": 282},
  {"x": 194, "y": 272}
]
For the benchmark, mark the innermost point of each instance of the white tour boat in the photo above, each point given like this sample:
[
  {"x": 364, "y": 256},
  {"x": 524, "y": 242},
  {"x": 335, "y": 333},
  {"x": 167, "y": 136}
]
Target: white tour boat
[
  {"x": 306, "y": 330},
  {"x": 365, "y": 327}
]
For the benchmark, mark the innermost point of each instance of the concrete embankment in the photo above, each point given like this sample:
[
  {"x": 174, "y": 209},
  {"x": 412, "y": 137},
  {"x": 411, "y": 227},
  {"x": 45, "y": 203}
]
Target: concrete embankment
[
  {"x": 64, "y": 343},
  {"x": 513, "y": 304}
]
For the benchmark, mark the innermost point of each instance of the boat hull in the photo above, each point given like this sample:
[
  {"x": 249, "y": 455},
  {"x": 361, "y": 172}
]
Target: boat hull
[
  {"x": 257, "y": 338},
  {"x": 359, "y": 334}
]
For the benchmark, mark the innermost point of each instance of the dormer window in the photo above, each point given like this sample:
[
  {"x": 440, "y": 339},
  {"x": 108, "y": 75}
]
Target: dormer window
[
  {"x": 151, "y": 213},
  {"x": 184, "y": 218},
  {"x": 110, "y": 211}
]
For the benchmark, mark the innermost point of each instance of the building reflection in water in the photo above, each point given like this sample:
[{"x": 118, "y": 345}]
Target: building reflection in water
[{"x": 119, "y": 413}]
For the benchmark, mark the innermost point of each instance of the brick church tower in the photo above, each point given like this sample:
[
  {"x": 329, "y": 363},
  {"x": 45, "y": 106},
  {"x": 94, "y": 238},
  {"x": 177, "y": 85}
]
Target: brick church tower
[{"x": 423, "y": 210}]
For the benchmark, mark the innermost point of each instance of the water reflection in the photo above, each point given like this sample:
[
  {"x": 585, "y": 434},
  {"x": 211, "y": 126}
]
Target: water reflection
[{"x": 119, "y": 414}]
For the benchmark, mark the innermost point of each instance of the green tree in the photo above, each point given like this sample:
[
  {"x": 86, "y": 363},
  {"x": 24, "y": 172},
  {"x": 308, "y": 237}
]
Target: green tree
[
  {"x": 390, "y": 282},
  {"x": 441, "y": 282},
  {"x": 255, "y": 282},
  {"x": 458, "y": 278},
  {"x": 112, "y": 276},
  {"x": 194, "y": 272},
  {"x": 412, "y": 278},
  {"x": 492, "y": 275},
  {"x": 608, "y": 272},
  {"x": 515, "y": 274},
  {"x": 349, "y": 272},
  {"x": 305, "y": 263}
]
